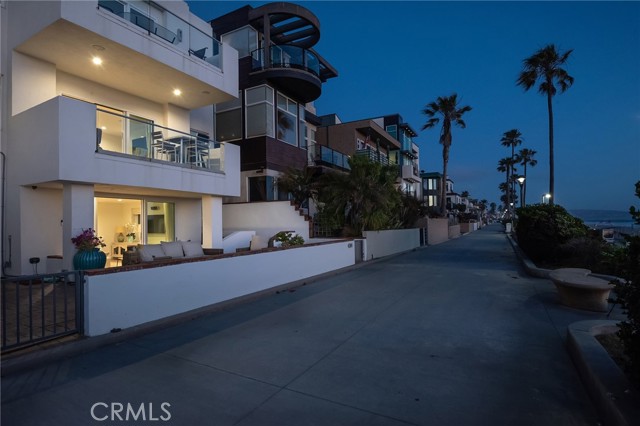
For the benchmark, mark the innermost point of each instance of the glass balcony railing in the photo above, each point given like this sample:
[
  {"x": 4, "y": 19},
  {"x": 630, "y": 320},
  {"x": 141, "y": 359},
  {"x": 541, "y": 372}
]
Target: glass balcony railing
[
  {"x": 169, "y": 27},
  {"x": 320, "y": 155},
  {"x": 285, "y": 56},
  {"x": 143, "y": 139}
]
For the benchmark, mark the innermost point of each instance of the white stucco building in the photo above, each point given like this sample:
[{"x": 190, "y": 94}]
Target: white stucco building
[{"x": 107, "y": 123}]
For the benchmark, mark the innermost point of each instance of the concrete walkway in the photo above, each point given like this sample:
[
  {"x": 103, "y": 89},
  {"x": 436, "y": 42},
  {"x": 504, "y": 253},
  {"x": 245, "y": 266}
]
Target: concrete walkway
[{"x": 452, "y": 334}]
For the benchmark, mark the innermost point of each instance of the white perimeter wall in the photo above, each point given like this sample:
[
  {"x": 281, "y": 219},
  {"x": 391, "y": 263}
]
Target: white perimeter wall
[
  {"x": 384, "y": 243},
  {"x": 267, "y": 219},
  {"x": 129, "y": 298}
]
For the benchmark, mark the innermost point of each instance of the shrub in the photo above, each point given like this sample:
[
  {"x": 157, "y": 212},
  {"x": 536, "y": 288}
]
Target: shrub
[
  {"x": 542, "y": 229},
  {"x": 289, "y": 239},
  {"x": 628, "y": 296}
]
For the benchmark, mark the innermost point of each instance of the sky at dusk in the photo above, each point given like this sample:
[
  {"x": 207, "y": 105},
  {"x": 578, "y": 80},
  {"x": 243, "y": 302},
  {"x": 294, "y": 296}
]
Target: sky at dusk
[{"x": 395, "y": 57}]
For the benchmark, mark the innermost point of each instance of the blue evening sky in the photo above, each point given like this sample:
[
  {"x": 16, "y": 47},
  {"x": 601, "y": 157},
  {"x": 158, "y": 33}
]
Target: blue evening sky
[{"x": 394, "y": 57}]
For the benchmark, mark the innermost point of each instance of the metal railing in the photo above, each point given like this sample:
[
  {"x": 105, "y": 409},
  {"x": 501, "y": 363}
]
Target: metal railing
[
  {"x": 143, "y": 139},
  {"x": 36, "y": 308},
  {"x": 285, "y": 56},
  {"x": 374, "y": 156},
  {"x": 174, "y": 29}
]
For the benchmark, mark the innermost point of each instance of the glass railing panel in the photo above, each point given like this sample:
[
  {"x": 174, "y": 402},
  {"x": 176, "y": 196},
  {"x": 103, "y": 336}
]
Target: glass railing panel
[
  {"x": 326, "y": 155},
  {"x": 312, "y": 62},
  {"x": 284, "y": 56},
  {"x": 169, "y": 27},
  {"x": 141, "y": 138}
]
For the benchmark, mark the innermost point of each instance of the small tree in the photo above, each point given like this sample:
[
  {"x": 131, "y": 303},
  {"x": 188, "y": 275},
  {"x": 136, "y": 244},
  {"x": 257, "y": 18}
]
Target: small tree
[{"x": 364, "y": 199}]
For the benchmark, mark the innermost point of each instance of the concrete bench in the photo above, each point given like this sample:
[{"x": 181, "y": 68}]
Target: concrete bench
[{"x": 577, "y": 288}]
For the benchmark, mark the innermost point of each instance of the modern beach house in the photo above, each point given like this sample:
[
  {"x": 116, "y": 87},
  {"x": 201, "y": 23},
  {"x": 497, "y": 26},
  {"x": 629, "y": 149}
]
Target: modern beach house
[
  {"x": 387, "y": 140},
  {"x": 107, "y": 123},
  {"x": 272, "y": 119}
]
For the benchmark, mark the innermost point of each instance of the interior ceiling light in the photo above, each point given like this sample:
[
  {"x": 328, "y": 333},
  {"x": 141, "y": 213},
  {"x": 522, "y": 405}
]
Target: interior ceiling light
[
  {"x": 96, "y": 60},
  {"x": 177, "y": 92}
]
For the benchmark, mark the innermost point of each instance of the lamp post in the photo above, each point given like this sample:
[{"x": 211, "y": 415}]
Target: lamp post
[
  {"x": 520, "y": 180},
  {"x": 546, "y": 197}
]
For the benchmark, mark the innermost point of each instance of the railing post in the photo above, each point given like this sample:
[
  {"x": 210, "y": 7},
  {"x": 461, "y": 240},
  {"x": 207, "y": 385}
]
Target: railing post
[{"x": 79, "y": 302}]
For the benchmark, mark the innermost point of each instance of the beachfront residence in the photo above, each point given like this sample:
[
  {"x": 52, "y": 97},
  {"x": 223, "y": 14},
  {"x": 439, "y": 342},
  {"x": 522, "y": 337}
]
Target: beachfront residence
[
  {"x": 107, "y": 123},
  {"x": 272, "y": 120},
  {"x": 387, "y": 140}
]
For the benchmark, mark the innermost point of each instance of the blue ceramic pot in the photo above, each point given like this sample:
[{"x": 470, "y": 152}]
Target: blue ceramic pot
[{"x": 92, "y": 259}]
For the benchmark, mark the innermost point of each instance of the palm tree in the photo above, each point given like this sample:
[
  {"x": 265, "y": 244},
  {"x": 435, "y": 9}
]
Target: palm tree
[
  {"x": 511, "y": 138},
  {"x": 546, "y": 65},
  {"x": 301, "y": 184},
  {"x": 525, "y": 156},
  {"x": 507, "y": 165},
  {"x": 446, "y": 108}
]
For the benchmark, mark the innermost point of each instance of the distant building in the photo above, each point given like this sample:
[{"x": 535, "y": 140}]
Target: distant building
[{"x": 386, "y": 140}]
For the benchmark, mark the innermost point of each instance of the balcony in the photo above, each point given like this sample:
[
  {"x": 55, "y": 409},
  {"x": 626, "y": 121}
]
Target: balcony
[
  {"x": 74, "y": 141},
  {"x": 145, "y": 140},
  {"x": 374, "y": 156},
  {"x": 320, "y": 155},
  {"x": 177, "y": 31},
  {"x": 410, "y": 173},
  {"x": 295, "y": 68},
  {"x": 145, "y": 52}
]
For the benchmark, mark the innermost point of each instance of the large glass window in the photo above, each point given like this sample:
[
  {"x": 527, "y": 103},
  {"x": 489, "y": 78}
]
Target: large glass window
[
  {"x": 229, "y": 120},
  {"x": 287, "y": 120},
  {"x": 302, "y": 127},
  {"x": 393, "y": 131},
  {"x": 259, "y": 111}
]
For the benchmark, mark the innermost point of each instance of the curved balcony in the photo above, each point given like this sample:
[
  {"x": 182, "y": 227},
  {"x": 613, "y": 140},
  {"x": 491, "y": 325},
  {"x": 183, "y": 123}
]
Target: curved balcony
[{"x": 294, "y": 68}]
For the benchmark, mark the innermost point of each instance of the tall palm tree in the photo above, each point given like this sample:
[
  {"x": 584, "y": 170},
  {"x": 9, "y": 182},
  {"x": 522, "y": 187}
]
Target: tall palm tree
[
  {"x": 447, "y": 109},
  {"x": 525, "y": 156},
  {"x": 511, "y": 138},
  {"x": 506, "y": 165},
  {"x": 546, "y": 65}
]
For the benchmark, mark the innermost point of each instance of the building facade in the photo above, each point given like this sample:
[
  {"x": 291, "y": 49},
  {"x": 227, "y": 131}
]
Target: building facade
[
  {"x": 280, "y": 75},
  {"x": 109, "y": 125},
  {"x": 386, "y": 140}
]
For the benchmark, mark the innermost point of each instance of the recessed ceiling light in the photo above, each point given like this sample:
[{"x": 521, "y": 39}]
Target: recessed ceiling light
[
  {"x": 97, "y": 47},
  {"x": 206, "y": 92},
  {"x": 104, "y": 127},
  {"x": 96, "y": 60},
  {"x": 177, "y": 92}
]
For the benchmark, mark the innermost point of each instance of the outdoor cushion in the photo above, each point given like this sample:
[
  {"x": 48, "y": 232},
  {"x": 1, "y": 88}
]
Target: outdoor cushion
[
  {"x": 149, "y": 252},
  {"x": 192, "y": 249},
  {"x": 173, "y": 249}
]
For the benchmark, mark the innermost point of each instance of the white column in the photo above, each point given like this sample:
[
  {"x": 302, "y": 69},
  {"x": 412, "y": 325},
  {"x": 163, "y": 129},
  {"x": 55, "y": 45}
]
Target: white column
[
  {"x": 211, "y": 222},
  {"x": 77, "y": 214}
]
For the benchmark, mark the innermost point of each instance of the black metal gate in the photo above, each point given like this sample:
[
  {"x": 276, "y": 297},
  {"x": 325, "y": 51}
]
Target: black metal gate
[{"x": 36, "y": 308}]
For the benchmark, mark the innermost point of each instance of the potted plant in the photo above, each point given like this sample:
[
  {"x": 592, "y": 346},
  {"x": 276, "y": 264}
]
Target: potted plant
[{"x": 88, "y": 255}]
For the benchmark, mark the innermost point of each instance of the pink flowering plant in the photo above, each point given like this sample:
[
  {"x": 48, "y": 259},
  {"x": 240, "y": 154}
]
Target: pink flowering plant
[{"x": 87, "y": 240}]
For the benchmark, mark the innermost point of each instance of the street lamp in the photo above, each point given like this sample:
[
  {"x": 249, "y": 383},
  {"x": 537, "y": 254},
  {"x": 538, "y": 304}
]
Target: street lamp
[
  {"x": 520, "y": 180},
  {"x": 546, "y": 197}
]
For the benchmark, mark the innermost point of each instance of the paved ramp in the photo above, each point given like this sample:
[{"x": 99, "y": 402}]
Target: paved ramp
[{"x": 452, "y": 334}]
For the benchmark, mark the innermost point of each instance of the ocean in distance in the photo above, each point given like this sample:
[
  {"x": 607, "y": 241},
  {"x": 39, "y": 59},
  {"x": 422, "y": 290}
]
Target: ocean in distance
[{"x": 605, "y": 218}]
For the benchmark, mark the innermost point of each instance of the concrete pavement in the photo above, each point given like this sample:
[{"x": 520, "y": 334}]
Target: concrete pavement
[{"x": 452, "y": 334}]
